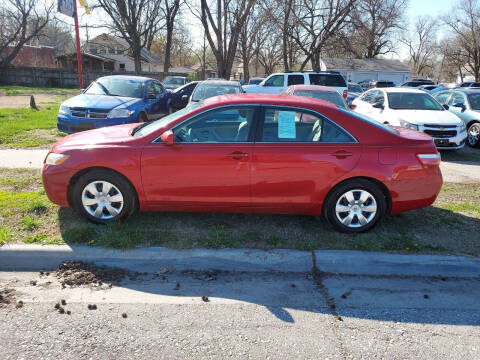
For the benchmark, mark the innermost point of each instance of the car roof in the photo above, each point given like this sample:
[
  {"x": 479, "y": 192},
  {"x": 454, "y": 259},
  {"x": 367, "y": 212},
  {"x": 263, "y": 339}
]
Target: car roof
[
  {"x": 272, "y": 99},
  {"x": 127, "y": 77},
  {"x": 312, "y": 87},
  {"x": 400, "y": 90},
  {"x": 468, "y": 90},
  {"x": 220, "y": 82}
]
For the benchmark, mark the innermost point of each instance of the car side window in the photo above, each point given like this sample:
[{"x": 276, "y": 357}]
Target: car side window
[
  {"x": 443, "y": 97},
  {"x": 298, "y": 126},
  {"x": 158, "y": 88},
  {"x": 379, "y": 98},
  {"x": 368, "y": 96},
  {"x": 457, "y": 98},
  {"x": 295, "y": 80},
  {"x": 218, "y": 126},
  {"x": 275, "y": 80},
  {"x": 151, "y": 89}
]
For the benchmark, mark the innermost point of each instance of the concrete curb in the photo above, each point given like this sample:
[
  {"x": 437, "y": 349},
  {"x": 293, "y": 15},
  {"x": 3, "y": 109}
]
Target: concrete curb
[
  {"x": 375, "y": 263},
  {"x": 38, "y": 257},
  {"x": 20, "y": 158}
]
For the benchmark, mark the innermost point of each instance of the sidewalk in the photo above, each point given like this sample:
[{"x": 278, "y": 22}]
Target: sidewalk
[{"x": 16, "y": 159}]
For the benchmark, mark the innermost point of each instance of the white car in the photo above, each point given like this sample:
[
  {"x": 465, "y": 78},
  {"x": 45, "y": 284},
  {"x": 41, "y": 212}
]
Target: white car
[
  {"x": 414, "y": 109},
  {"x": 277, "y": 83}
]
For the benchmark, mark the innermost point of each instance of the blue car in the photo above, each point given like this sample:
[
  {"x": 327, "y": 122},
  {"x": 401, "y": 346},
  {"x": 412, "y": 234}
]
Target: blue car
[{"x": 115, "y": 100}]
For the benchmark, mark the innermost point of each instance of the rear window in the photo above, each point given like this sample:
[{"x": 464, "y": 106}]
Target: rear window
[
  {"x": 335, "y": 80},
  {"x": 333, "y": 97}
]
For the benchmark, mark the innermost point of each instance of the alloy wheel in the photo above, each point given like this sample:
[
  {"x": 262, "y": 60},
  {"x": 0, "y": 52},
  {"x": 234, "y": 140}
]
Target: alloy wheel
[{"x": 473, "y": 135}]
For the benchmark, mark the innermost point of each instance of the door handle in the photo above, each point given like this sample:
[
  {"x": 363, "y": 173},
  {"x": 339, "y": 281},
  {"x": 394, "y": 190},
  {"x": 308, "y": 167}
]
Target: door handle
[
  {"x": 341, "y": 154},
  {"x": 238, "y": 155}
]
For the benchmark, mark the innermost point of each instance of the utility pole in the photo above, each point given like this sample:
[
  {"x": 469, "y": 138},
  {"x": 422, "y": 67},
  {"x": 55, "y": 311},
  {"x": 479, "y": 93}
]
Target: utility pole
[{"x": 79, "y": 51}]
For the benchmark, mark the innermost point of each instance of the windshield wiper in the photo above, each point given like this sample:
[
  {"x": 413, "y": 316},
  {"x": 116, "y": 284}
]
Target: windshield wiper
[{"x": 104, "y": 88}]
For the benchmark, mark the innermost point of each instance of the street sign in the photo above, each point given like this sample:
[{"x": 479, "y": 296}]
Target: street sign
[{"x": 66, "y": 7}]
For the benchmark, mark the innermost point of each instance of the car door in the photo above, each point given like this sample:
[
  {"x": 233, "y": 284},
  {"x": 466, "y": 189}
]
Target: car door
[
  {"x": 208, "y": 165},
  {"x": 458, "y": 104},
  {"x": 152, "y": 104},
  {"x": 275, "y": 84},
  {"x": 187, "y": 91},
  {"x": 162, "y": 98},
  {"x": 297, "y": 155}
]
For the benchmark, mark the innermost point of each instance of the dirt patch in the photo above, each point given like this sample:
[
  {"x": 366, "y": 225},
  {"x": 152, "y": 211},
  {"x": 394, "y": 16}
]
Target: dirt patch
[
  {"x": 24, "y": 101},
  {"x": 79, "y": 273},
  {"x": 7, "y": 296}
]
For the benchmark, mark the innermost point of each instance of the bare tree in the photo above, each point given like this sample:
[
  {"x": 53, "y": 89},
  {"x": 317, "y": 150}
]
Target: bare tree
[
  {"x": 270, "y": 55},
  {"x": 170, "y": 11},
  {"x": 464, "y": 22},
  {"x": 422, "y": 46},
  {"x": 136, "y": 21},
  {"x": 318, "y": 21},
  {"x": 20, "y": 22},
  {"x": 222, "y": 22},
  {"x": 58, "y": 35},
  {"x": 374, "y": 25}
]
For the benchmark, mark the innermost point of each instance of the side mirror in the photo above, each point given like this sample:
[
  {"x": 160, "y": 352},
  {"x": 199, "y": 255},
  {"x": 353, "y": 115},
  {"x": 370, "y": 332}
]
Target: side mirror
[
  {"x": 378, "y": 106},
  {"x": 184, "y": 97},
  {"x": 461, "y": 106},
  {"x": 352, "y": 106},
  {"x": 168, "y": 137},
  {"x": 446, "y": 107}
]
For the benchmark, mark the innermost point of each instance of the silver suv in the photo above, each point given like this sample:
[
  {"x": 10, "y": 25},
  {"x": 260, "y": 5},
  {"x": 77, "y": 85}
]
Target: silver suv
[{"x": 278, "y": 82}]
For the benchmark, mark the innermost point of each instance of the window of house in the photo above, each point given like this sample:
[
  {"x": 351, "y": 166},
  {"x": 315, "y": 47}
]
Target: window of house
[
  {"x": 121, "y": 67},
  {"x": 111, "y": 50},
  {"x": 102, "y": 50}
]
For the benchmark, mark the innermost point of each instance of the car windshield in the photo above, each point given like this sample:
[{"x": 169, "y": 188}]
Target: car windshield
[
  {"x": 148, "y": 128},
  {"x": 205, "y": 91},
  {"x": 355, "y": 88},
  {"x": 116, "y": 87},
  {"x": 412, "y": 101},
  {"x": 173, "y": 81},
  {"x": 474, "y": 101},
  {"x": 332, "y": 97}
]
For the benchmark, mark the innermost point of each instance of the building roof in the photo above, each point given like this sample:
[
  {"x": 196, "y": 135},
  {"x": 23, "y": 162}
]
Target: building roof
[
  {"x": 85, "y": 54},
  {"x": 364, "y": 64}
]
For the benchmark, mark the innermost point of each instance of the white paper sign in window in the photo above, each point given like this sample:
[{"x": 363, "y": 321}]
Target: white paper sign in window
[{"x": 286, "y": 125}]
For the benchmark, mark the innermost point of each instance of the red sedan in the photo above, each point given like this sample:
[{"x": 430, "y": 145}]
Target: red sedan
[{"x": 248, "y": 153}]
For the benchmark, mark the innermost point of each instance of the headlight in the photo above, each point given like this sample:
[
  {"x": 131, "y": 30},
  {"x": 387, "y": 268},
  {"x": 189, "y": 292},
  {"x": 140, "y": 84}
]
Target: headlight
[
  {"x": 462, "y": 127},
  {"x": 65, "y": 110},
  {"x": 408, "y": 125},
  {"x": 120, "y": 113},
  {"x": 55, "y": 159}
]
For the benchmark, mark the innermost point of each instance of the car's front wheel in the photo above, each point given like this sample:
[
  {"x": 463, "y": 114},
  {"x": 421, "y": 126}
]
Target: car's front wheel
[
  {"x": 473, "y": 138},
  {"x": 103, "y": 197},
  {"x": 355, "y": 206}
]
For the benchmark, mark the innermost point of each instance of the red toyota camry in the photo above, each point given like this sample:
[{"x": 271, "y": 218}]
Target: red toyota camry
[{"x": 248, "y": 153}]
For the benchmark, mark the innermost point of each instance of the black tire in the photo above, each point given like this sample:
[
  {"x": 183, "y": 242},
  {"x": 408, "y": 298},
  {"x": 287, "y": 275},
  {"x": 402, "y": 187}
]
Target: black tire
[
  {"x": 473, "y": 138},
  {"x": 355, "y": 187},
  {"x": 129, "y": 201},
  {"x": 142, "y": 117}
]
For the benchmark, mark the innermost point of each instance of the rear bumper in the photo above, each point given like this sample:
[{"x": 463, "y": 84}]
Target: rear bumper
[{"x": 70, "y": 125}]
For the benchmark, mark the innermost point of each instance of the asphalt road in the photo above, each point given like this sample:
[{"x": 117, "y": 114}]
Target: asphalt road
[{"x": 249, "y": 315}]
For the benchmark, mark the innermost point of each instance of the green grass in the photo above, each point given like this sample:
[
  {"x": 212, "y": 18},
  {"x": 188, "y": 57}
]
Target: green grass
[
  {"x": 13, "y": 90},
  {"x": 451, "y": 225},
  {"x": 25, "y": 127}
]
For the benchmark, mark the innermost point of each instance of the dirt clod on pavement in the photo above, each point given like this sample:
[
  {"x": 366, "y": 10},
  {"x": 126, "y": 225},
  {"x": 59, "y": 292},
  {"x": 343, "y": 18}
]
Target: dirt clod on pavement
[
  {"x": 78, "y": 273},
  {"x": 19, "y": 304},
  {"x": 92, "y": 307},
  {"x": 33, "y": 282},
  {"x": 124, "y": 315},
  {"x": 7, "y": 296},
  {"x": 63, "y": 302},
  {"x": 205, "y": 298}
]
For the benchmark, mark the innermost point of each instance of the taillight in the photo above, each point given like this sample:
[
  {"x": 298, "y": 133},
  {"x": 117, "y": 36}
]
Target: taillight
[
  {"x": 345, "y": 93},
  {"x": 429, "y": 159}
]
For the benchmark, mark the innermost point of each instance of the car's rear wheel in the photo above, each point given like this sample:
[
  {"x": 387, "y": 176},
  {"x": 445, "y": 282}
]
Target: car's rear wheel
[
  {"x": 473, "y": 138},
  {"x": 355, "y": 206},
  {"x": 103, "y": 196}
]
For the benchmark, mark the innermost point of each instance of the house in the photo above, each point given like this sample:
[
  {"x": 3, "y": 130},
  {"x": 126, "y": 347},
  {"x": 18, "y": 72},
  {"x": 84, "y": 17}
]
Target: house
[
  {"x": 118, "y": 50},
  {"x": 209, "y": 71},
  {"x": 89, "y": 62},
  {"x": 33, "y": 56},
  {"x": 355, "y": 70}
]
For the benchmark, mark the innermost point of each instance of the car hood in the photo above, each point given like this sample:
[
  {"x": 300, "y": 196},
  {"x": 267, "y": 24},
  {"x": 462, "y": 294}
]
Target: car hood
[
  {"x": 99, "y": 101},
  {"x": 110, "y": 135},
  {"x": 427, "y": 117}
]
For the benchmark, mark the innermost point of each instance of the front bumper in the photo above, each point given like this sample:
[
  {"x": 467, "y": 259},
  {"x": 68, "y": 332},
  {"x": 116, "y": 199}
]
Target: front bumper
[
  {"x": 69, "y": 124},
  {"x": 445, "y": 142}
]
